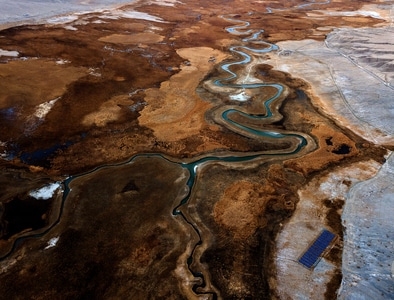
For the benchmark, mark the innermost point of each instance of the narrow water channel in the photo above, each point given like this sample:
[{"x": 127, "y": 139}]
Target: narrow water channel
[{"x": 193, "y": 166}]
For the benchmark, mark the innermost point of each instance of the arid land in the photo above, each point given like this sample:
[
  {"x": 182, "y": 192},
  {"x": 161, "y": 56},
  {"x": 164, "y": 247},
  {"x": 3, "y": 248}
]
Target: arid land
[{"x": 155, "y": 194}]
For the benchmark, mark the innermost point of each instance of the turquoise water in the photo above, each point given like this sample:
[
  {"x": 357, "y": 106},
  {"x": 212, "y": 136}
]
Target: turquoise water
[{"x": 193, "y": 166}]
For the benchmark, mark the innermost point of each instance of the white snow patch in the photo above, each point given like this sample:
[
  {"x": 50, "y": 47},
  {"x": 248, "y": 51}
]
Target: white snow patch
[
  {"x": 95, "y": 72},
  {"x": 152, "y": 27},
  {"x": 116, "y": 14},
  {"x": 44, "y": 108},
  {"x": 98, "y": 22},
  {"x": 62, "y": 19},
  {"x": 242, "y": 96},
  {"x": 111, "y": 17},
  {"x": 46, "y": 192},
  {"x": 69, "y": 27},
  {"x": 86, "y": 12},
  {"x": 365, "y": 13},
  {"x": 166, "y": 2},
  {"x": 140, "y": 15},
  {"x": 52, "y": 243},
  {"x": 284, "y": 68},
  {"x": 8, "y": 53},
  {"x": 62, "y": 61}
]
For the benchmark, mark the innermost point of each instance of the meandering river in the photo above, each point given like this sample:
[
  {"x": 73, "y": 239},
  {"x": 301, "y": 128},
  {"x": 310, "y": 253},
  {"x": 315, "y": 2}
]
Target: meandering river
[{"x": 300, "y": 143}]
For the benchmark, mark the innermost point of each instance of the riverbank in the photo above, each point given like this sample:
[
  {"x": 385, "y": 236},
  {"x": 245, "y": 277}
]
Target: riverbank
[{"x": 150, "y": 81}]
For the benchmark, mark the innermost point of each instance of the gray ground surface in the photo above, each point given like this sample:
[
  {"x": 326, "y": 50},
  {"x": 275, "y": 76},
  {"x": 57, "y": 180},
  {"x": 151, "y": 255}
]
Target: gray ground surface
[
  {"x": 353, "y": 82},
  {"x": 369, "y": 241},
  {"x": 352, "y": 75},
  {"x": 295, "y": 281},
  {"x": 371, "y": 49},
  {"x": 35, "y": 10}
]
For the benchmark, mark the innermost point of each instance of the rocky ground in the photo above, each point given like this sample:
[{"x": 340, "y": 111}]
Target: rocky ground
[{"x": 80, "y": 95}]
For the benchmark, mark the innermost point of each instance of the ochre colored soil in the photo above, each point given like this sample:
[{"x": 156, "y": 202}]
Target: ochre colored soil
[
  {"x": 127, "y": 87},
  {"x": 174, "y": 110}
]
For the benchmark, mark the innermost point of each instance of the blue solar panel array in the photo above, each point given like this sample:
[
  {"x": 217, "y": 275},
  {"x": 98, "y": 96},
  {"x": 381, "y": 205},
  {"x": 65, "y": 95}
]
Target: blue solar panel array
[{"x": 311, "y": 256}]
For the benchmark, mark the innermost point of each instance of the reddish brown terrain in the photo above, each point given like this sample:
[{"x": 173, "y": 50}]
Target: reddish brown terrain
[{"x": 117, "y": 108}]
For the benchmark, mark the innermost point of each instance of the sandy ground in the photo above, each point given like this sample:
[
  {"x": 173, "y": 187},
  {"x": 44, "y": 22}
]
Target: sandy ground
[{"x": 175, "y": 111}]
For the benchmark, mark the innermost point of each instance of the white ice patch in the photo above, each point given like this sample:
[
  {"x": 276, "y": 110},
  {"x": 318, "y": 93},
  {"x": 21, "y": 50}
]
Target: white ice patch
[
  {"x": 111, "y": 17},
  {"x": 95, "y": 72},
  {"x": 62, "y": 62},
  {"x": 69, "y": 27},
  {"x": 46, "y": 192},
  {"x": 155, "y": 28},
  {"x": 365, "y": 13},
  {"x": 284, "y": 68},
  {"x": 242, "y": 96},
  {"x": 131, "y": 15},
  {"x": 99, "y": 22},
  {"x": 9, "y": 53},
  {"x": 167, "y": 2},
  {"x": 62, "y": 19},
  {"x": 44, "y": 108},
  {"x": 52, "y": 243}
]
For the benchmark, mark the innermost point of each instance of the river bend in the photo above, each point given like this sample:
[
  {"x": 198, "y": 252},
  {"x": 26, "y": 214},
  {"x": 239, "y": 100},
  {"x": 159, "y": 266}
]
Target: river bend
[{"x": 301, "y": 143}]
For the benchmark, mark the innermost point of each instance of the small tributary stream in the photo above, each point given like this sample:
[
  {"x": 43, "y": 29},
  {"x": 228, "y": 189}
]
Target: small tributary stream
[{"x": 193, "y": 166}]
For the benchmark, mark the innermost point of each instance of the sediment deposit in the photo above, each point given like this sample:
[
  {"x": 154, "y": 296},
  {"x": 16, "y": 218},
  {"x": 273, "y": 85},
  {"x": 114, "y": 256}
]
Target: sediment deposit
[{"x": 180, "y": 149}]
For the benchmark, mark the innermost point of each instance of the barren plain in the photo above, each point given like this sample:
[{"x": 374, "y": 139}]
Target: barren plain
[{"x": 195, "y": 149}]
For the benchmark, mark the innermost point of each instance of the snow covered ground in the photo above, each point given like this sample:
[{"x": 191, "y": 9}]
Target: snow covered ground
[
  {"x": 31, "y": 11},
  {"x": 46, "y": 192},
  {"x": 368, "y": 254}
]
